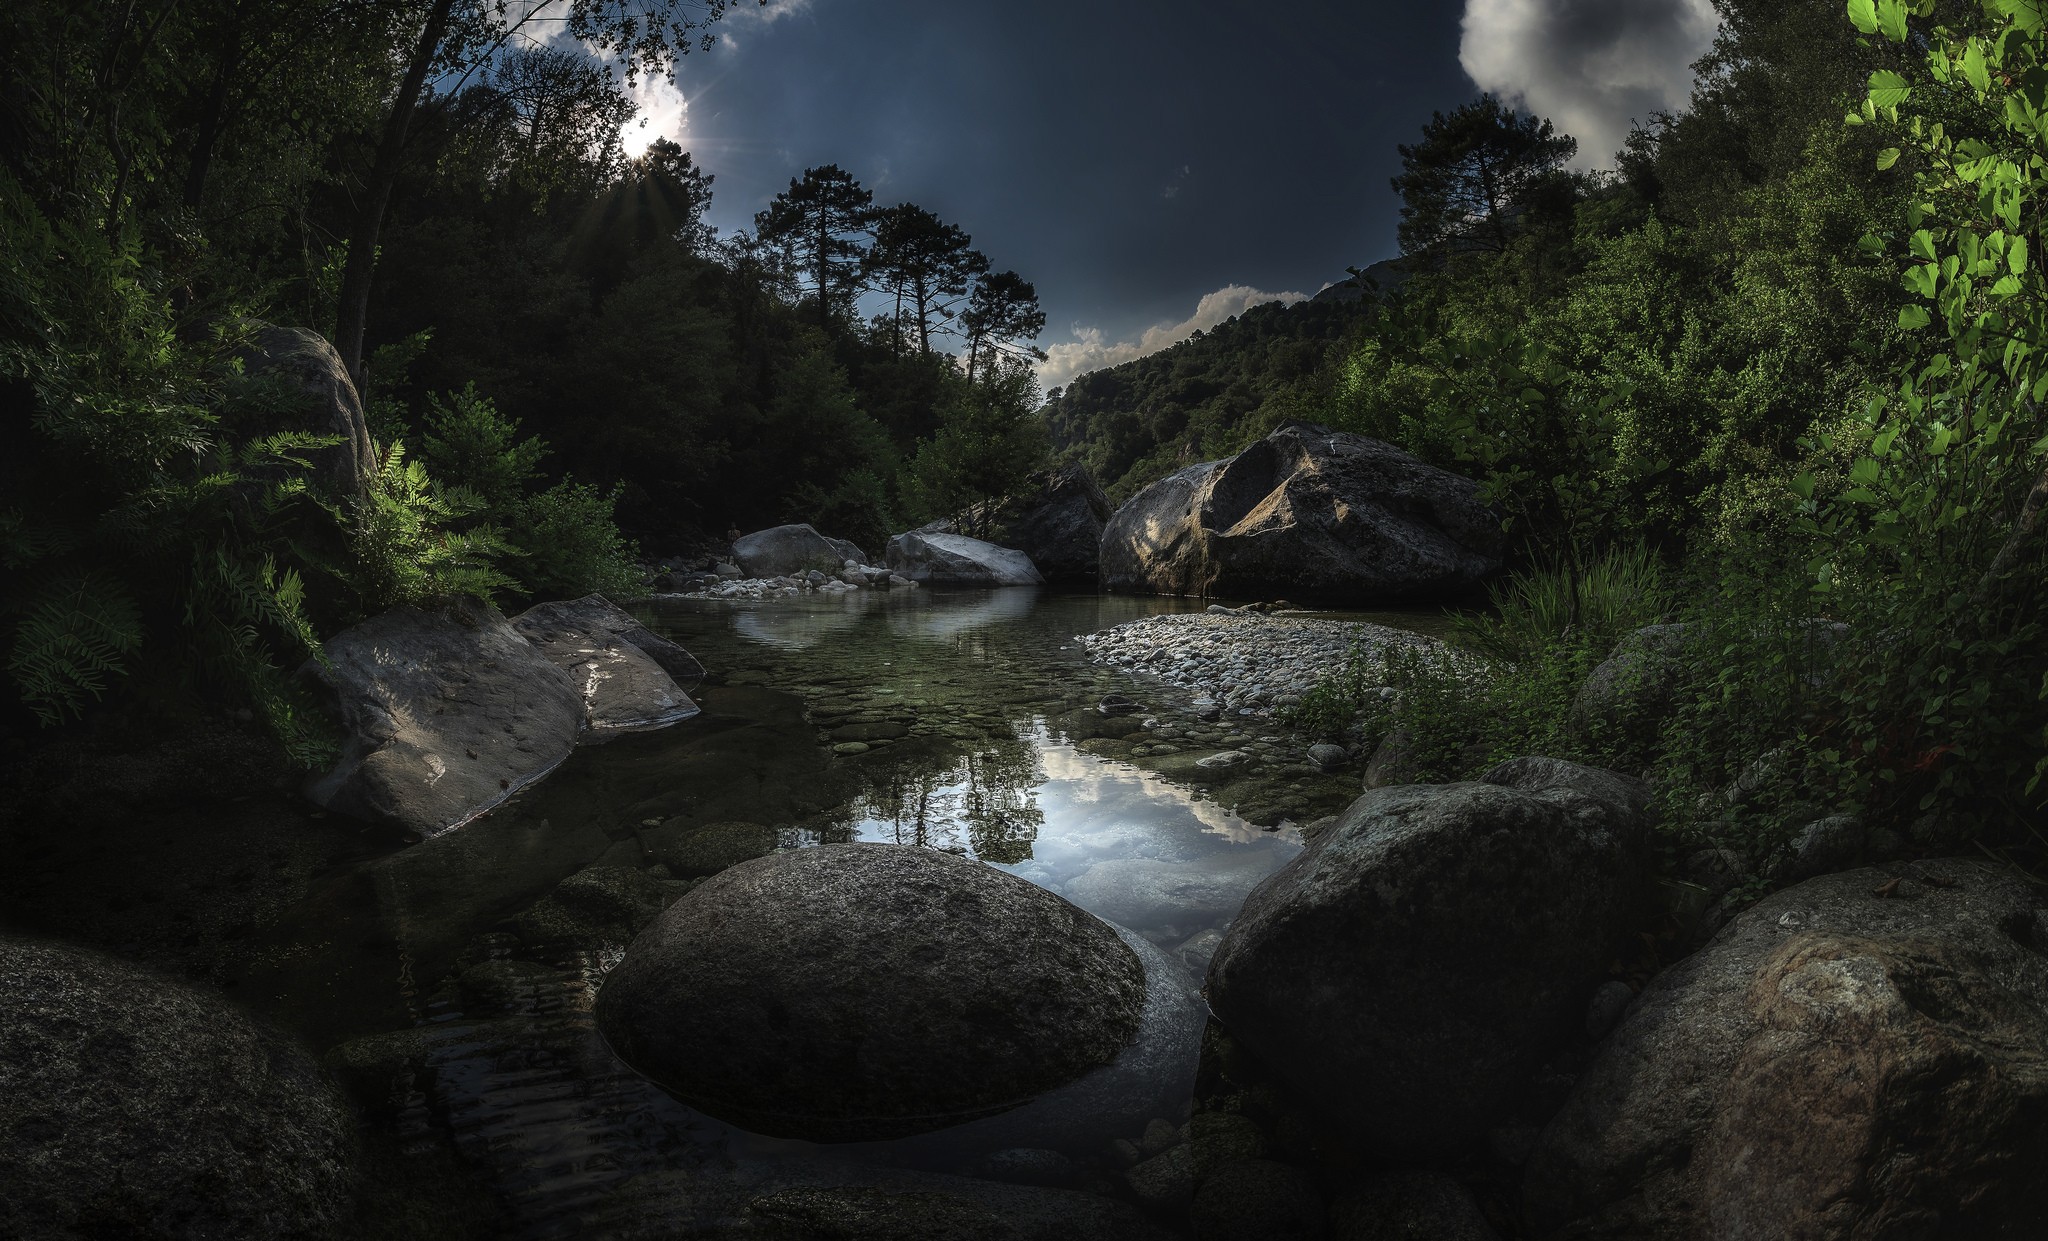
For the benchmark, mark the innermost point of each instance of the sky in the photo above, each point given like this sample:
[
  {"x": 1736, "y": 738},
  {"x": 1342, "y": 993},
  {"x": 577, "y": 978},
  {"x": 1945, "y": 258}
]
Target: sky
[{"x": 1152, "y": 166}]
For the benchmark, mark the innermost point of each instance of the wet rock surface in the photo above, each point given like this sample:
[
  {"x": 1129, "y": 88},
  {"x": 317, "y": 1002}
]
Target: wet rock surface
[
  {"x": 1863, "y": 1055},
  {"x": 135, "y": 1106},
  {"x": 1415, "y": 965},
  {"x": 1313, "y": 514},
  {"x": 865, "y": 991}
]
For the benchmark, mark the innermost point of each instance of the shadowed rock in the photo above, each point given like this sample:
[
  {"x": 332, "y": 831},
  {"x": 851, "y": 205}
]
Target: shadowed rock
[
  {"x": 621, "y": 674},
  {"x": 1419, "y": 960},
  {"x": 855, "y": 992},
  {"x": 1853, "y": 1057},
  {"x": 1057, "y": 522},
  {"x": 303, "y": 360},
  {"x": 134, "y": 1106},
  {"x": 784, "y": 551}
]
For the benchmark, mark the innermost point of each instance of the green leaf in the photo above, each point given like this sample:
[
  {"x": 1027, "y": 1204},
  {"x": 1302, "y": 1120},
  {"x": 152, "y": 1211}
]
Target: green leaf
[
  {"x": 1974, "y": 71},
  {"x": 1939, "y": 444},
  {"x": 1802, "y": 486},
  {"x": 2016, "y": 256},
  {"x": 1913, "y": 318},
  {"x": 2028, "y": 15},
  {"x": 1887, "y": 157},
  {"x": 1888, "y": 89},
  {"x": 1921, "y": 279},
  {"x": 1864, "y": 472},
  {"x": 1922, "y": 245},
  {"x": 1891, "y": 16},
  {"x": 1864, "y": 14}
]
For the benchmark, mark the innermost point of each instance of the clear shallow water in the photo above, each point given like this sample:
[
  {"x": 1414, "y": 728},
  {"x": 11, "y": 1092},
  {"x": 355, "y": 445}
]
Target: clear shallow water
[{"x": 436, "y": 973}]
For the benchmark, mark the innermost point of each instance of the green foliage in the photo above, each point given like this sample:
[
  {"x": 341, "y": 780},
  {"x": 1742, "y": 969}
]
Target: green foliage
[
  {"x": 990, "y": 441},
  {"x": 468, "y": 443},
  {"x": 573, "y": 545},
  {"x": 1593, "y": 607},
  {"x": 78, "y": 633},
  {"x": 414, "y": 542}
]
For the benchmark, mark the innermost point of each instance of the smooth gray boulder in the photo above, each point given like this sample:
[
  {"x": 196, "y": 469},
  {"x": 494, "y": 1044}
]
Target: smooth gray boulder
[
  {"x": 1057, "y": 521},
  {"x": 1864, "y": 1055},
  {"x": 1421, "y": 958},
  {"x": 853, "y": 992},
  {"x": 1310, "y": 513},
  {"x": 302, "y": 360},
  {"x": 787, "y": 551},
  {"x": 625, "y": 686},
  {"x": 956, "y": 560},
  {"x": 135, "y": 1106},
  {"x": 445, "y": 714}
]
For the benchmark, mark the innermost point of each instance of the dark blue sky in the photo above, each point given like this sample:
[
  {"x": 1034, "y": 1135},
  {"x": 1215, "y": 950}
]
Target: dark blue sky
[{"x": 1130, "y": 157}]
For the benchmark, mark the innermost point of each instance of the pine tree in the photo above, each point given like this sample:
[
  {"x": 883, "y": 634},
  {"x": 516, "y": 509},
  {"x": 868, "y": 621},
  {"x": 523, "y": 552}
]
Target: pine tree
[{"x": 821, "y": 220}]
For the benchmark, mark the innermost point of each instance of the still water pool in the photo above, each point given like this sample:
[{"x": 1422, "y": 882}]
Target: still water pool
[{"x": 453, "y": 978}]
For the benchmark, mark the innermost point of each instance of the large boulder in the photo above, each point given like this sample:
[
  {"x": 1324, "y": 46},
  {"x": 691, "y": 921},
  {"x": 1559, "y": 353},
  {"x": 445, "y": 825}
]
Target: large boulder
[
  {"x": 445, "y": 714},
  {"x": 1633, "y": 690},
  {"x": 1864, "y": 1055},
  {"x": 956, "y": 560},
  {"x": 1057, "y": 521},
  {"x": 1422, "y": 957},
  {"x": 855, "y": 992},
  {"x": 607, "y": 654},
  {"x": 304, "y": 363},
  {"x": 1309, "y": 513},
  {"x": 135, "y": 1106},
  {"x": 785, "y": 551}
]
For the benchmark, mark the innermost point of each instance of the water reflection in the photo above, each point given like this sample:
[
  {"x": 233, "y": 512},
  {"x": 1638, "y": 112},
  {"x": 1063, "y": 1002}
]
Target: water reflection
[
  {"x": 981, "y": 802},
  {"x": 944, "y": 623}
]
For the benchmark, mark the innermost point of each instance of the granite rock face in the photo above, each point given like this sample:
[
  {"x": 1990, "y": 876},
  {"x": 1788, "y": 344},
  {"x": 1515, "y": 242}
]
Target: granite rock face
[
  {"x": 616, "y": 664},
  {"x": 304, "y": 361},
  {"x": 1863, "y": 1055},
  {"x": 134, "y": 1106},
  {"x": 1057, "y": 521},
  {"x": 785, "y": 551},
  {"x": 445, "y": 713},
  {"x": 956, "y": 560},
  {"x": 1423, "y": 956},
  {"x": 854, "y": 992},
  {"x": 1309, "y": 513}
]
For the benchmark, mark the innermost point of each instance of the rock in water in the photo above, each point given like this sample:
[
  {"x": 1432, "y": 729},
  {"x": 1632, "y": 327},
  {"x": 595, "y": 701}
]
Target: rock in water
[
  {"x": 625, "y": 687},
  {"x": 305, "y": 361},
  {"x": 681, "y": 666},
  {"x": 787, "y": 551},
  {"x": 134, "y": 1106},
  {"x": 1837, "y": 1063},
  {"x": 855, "y": 992},
  {"x": 1424, "y": 955},
  {"x": 956, "y": 560},
  {"x": 1318, "y": 515},
  {"x": 1057, "y": 521},
  {"x": 446, "y": 714}
]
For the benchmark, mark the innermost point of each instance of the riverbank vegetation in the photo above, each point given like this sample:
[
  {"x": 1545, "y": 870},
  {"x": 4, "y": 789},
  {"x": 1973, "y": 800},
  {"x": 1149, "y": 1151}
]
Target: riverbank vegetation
[
  {"x": 1776, "y": 384},
  {"x": 561, "y": 364}
]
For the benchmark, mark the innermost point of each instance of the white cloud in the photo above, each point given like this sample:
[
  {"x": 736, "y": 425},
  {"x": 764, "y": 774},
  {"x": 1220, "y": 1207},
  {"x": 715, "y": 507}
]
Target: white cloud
[
  {"x": 664, "y": 112},
  {"x": 1591, "y": 66},
  {"x": 1091, "y": 349}
]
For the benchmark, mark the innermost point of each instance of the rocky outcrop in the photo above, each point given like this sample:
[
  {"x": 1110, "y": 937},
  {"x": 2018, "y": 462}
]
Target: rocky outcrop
[
  {"x": 1057, "y": 521},
  {"x": 786, "y": 551},
  {"x": 445, "y": 714},
  {"x": 853, "y": 992},
  {"x": 1424, "y": 955},
  {"x": 1309, "y": 513},
  {"x": 305, "y": 363},
  {"x": 616, "y": 664},
  {"x": 1864, "y": 1055},
  {"x": 134, "y": 1106},
  {"x": 1634, "y": 688},
  {"x": 956, "y": 560}
]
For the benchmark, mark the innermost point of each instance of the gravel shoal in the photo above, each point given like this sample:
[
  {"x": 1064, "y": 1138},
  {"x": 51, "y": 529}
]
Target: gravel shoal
[{"x": 1248, "y": 664}]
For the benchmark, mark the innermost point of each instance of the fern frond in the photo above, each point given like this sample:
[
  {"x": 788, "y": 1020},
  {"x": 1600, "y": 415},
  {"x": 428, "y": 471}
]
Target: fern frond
[{"x": 77, "y": 635}]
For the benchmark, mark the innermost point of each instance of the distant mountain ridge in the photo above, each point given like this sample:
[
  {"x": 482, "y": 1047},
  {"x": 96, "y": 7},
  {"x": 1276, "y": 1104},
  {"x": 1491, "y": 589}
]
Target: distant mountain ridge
[{"x": 1211, "y": 393}]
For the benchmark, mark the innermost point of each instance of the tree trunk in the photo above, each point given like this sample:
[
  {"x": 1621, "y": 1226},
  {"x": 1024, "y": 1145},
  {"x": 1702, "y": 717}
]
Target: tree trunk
[
  {"x": 216, "y": 109},
  {"x": 354, "y": 313}
]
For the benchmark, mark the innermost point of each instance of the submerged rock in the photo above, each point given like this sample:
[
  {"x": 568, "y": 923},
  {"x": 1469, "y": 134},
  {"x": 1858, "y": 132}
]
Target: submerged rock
[
  {"x": 1417, "y": 962},
  {"x": 1864, "y": 1055},
  {"x": 1312, "y": 513},
  {"x": 134, "y": 1106},
  {"x": 625, "y": 687},
  {"x": 445, "y": 714},
  {"x": 956, "y": 560},
  {"x": 856, "y": 992}
]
